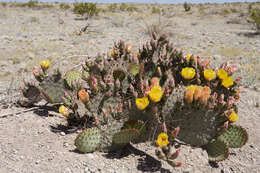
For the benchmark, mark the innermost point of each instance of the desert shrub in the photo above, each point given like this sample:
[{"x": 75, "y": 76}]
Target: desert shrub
[
  {"x": 132, "y": 9},
  {"x": 187, "y": 7},
  {"x": 82, "y": 8},
  {"x": 64, "y": 6},
  {"x": 32, "y": 3},
  {"x": 233, "y": 10},
  {"x": 4, "y": 4},
  {"x": 112, "y": 7},
  {"x": 255, "y": 17},
  {"x": 224, "y": 12},
  {"x": 123, "y": 7},
  {"x": 156, "y": 10}
]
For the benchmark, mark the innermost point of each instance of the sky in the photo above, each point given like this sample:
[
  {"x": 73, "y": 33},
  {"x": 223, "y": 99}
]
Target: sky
[{"x": 143, "y": 1}]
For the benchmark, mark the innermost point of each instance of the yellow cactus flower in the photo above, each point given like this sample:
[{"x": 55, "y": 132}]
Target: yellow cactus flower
[
  {"x": 45, "y": 65},
  {"x": 188, "y": 73},
  {"x": 162, "y": 140},
  {"x": 209, "y": 74},
  {"x": 192, "y": 87},
  {"x": 188, "y": 56},
  {"x": 112, "y": 52},
  {"x": 233, "y": 117},
  {"x": 249, "y": 68},
  {"x": 64, "y": 111},
  {"x": 227, "y": 82},
  {"x": 142, "y": 103},
  {"x": 156, "y": 93},
  {"x": 222, "y": 74}
]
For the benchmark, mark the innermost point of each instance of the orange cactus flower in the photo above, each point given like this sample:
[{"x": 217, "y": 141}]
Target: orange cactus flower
[
  {"x": 83, "y": 95},
  {"x": 189, "y": 95},
  {"x": 155, "y": 81}
]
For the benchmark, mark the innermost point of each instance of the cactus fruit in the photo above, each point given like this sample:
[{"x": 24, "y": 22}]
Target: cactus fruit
[
  {"x": 217, "y": 150},
  {"x": 88, "y": 140},
  {"x": 235, "y": 136}
]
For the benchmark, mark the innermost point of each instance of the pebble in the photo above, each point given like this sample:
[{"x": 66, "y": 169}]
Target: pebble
[
  {"x": 62, "y": 133},
  {"x": 225, "y": 170}
]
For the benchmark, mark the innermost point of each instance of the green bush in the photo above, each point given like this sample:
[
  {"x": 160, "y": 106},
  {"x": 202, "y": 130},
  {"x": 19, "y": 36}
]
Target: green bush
[
  {"x": 112, "y": 7},
  {"x": 123, "y": 7},
  {"x": 156, "y": 10},
  {"x": 82, "y": 8},
  {"x": 64, "y": 6},
  {"x": 187, "y": 7},
  {"x": 255, "y": 17}
]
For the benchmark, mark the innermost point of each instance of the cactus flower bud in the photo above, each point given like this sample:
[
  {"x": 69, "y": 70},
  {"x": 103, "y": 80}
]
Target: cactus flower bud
[
  {"x": 117, "y": 83},
  {"x": 128, "y": 48},
  {"x": 175, "y": 154},
  {"x": 104, "y": 113},
  {"x": 120, "y": 108},
  {"x": 171, "y": 82},
  {"x": 155, "y": 81},
  {"x": 108, "y": 93},
  {"x": 159, "y": 71},
  {"x": 164, "y": 128},
  {"x": 225, "y": 126},
  {"x": 175, "y": 132},
  {"x": 111, "y": 109}
]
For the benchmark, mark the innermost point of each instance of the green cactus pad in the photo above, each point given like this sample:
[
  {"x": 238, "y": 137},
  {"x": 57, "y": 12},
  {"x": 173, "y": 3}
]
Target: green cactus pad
[
  {"x": 235, "y": 136},
  {"x": 119, "y": 74},
  {"x": 88, "y": 140},
  {"x": 125, "y": 136},
  {"x": 52, "y": 89},
  {"x": 217, "y": 150},
  {"x": 71, "y": 76},
  {"x": 138, "y": 125},
  {"x": 134, "y": 69}
]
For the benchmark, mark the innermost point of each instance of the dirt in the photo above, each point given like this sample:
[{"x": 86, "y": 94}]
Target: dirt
[{"x": 37, "y": 140}]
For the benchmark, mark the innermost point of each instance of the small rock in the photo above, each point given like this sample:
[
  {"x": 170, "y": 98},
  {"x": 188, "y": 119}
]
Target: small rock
[
  {"x": 225, "y": 170},
  {"x": 62, "y": 133},
  {"x": 90, "y": 156}
]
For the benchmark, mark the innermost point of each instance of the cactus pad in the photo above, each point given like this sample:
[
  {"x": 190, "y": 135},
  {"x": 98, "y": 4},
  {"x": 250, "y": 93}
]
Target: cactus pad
[
  {"x": 198, "y": 127},
  {"x": 52, "y": 89},
  {"x": 217, "y": 150},
  {"x": 88, "y": 140},
  {"x": 125, "y": 136},
  {"x": 72, "y": 76},
  {"x": 235, "y": 136}
]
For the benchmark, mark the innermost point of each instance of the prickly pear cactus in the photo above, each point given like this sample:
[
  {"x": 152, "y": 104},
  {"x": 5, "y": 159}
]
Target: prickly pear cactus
[{"x": 155, "y": 93}]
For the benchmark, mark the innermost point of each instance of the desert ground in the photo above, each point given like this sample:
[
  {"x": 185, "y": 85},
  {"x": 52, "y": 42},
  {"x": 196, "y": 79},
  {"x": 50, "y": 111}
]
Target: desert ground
[{"x": 36, "y": 140}]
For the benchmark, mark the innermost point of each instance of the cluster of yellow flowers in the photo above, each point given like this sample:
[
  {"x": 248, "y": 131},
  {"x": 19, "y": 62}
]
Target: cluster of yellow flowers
[
  {"x": 227, "y": 81},
  {"x": 155, "y": 95}
]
